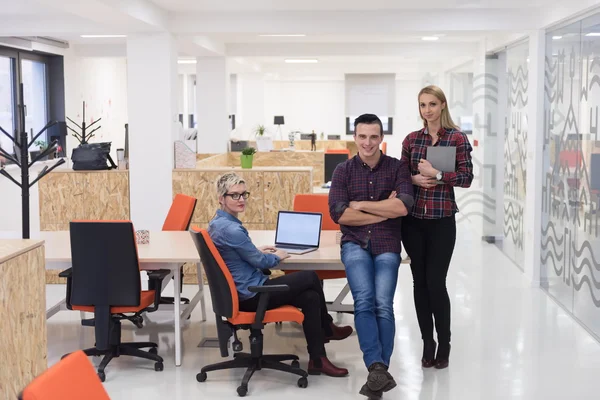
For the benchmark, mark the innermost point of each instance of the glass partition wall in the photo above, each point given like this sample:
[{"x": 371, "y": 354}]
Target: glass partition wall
[{"x": 570, "y": 258}]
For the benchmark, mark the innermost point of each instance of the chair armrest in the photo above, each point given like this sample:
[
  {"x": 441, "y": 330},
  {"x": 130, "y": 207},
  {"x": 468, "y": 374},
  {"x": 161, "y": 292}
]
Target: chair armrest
[
  {"x": 155, "y": 278},
  {"x": 67, "y": 273},
  {"x": 268, "y": 288},
  {"x": 263, "y": 301}
]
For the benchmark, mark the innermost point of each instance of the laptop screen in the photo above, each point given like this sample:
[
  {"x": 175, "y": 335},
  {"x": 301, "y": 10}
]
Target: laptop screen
[{"x": 298, "y": 228}]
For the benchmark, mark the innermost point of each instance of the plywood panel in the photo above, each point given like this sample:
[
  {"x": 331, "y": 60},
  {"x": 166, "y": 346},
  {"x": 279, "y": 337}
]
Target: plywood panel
[
  {"x": 201, "y": 185},
  {"x": 106, "y": 196},
  {"x": 61, "y": 197},
  {"x": 54, "y": 227},
  {"x": 23, "y": 344},
  {"x": 280, "y": 189}
]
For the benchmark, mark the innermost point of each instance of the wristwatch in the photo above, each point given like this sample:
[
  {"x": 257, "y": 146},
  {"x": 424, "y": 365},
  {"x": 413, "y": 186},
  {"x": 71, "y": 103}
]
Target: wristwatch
[{"x": 439, "y": 176}]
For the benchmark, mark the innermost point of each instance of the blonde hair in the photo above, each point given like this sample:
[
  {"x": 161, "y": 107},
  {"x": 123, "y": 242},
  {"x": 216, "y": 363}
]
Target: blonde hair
[
  {"x": 225, "y": 182},
  {"x": 445, "y": 119}
]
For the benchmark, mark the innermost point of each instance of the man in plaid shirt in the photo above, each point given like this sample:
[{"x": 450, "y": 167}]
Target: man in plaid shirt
[{"x": 368, "y": 196}]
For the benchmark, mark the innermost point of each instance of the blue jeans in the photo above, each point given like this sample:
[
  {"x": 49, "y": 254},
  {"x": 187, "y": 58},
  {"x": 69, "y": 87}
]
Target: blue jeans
[{"x": 372, "y": 280}]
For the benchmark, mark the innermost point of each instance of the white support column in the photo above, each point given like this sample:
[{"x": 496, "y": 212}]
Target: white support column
[
  {"x": 212, "y": 83},
  {"x": 535, "y": 142},
  {"x": 153, "y": 124}
]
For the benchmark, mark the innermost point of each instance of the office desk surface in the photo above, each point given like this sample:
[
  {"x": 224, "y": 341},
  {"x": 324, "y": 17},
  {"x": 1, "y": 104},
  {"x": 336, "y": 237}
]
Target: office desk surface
[
  {"x": 327, "y": 253},
  {"x": 11, "y": 248},
  {"x": 164, "y": 247}
]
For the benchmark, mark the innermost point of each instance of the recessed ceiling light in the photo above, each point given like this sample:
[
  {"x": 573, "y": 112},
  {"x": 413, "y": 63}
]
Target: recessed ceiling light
[
  {"x": 556, "y": 37},
  {"x": 301, "y": 61},
  {"x": 102, "y": 36},
  {"x": 593, "y": 34},
  {"x": 186, "y": 61},
  {"x": 430, "y": 38},
  {"x": 284, "y": 35}
]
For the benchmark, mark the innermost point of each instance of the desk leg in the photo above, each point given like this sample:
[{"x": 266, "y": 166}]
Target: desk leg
[
  {"x": 177, "y": 297},
  {"x": 201, "y": 289}
]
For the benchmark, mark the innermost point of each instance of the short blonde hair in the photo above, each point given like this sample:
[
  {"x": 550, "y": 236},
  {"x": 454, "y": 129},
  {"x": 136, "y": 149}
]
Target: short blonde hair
[
  {"x": 445, "y": 119},
  {"x": 225, "y": 182}
]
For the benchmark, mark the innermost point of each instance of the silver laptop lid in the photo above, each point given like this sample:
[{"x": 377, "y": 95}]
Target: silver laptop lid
[
  {"x": 442, "y": 158},
  {"x": 298, "y": 229}
]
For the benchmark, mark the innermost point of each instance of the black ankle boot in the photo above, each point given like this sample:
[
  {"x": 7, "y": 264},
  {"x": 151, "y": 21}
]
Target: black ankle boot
[
  {"x": 442, "y": 358},
  {"x": 428, "y": 359}
]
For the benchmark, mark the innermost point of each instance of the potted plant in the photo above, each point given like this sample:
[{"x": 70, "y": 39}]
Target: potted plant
[
  {"x": 260, "y": 130},
  {"x": 42, "y": 145},
  {"x": 247, "y": 156},
  {"x": 322, "y": 135}
]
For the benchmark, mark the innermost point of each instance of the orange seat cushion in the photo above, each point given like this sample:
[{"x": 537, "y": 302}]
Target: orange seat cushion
[
  {"x": 72, "y": 378},
  {"x": 146, "y": 299},
  {"x": 279, "y": 314}
]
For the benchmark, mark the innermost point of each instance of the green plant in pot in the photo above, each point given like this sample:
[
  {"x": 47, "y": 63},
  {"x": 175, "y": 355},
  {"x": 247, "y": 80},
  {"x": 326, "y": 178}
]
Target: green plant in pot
[
  {"x": 260, "y": 130},
  {"x": 247, "y": 156}
]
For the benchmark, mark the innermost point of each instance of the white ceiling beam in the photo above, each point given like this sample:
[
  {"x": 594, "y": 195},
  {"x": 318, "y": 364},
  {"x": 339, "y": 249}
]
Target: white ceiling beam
[
  {"x": 355, "y": 22},
  {"x": 57, "y": 26},
  {"x": 112, "y": 15},
  {"x": 425, "y": 49},
  {"x": 200, "y": 46}
]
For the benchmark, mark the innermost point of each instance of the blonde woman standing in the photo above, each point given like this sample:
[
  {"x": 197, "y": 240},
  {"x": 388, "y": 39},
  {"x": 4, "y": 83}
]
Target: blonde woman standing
[{"x": 429, "y": 231}]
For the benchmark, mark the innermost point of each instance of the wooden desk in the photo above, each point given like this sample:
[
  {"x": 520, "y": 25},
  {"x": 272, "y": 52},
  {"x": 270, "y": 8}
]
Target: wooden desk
[
  {"x": 23, "y": 347},
  {"x": 166, "y": 250}
]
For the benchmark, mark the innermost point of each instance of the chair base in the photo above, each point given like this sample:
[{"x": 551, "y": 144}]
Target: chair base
[
  {"x": 125, "y": 349},
  {"x": 253, "y": 364}
]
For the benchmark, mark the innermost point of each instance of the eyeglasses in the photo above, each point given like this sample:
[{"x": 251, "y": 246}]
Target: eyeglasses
[{"x": 236, "y": 196}]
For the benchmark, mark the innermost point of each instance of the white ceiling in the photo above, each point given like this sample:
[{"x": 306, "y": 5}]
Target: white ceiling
[
  {"x": 338, "y": 32},
  {"x": 337, "y": 5}
]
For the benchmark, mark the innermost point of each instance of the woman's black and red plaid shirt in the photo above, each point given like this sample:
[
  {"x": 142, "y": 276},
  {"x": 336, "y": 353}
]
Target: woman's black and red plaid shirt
[{"x": 439, "y": 201}]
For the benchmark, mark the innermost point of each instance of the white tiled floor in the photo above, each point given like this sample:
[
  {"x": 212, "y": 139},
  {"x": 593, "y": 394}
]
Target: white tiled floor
[{"x": 510, "y": 341}]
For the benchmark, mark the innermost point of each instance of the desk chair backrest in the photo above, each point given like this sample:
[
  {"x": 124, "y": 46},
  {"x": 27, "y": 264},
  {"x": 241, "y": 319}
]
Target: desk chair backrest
[
  {"x": 72, "y": 378},
  {"x": 384, "y": 147},
  {"x": 180, "y": 213},
  {"x": 316, "y": 202},
  {"x": 105, "y": 264},
  {"x": 222, "y": 287},
  {"x": 338, "y": 151}
]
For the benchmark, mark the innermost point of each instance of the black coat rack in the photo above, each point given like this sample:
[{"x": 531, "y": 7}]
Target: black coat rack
[
  {"x": 83, "y": 136},
  {"x": 22, "y": 160}
]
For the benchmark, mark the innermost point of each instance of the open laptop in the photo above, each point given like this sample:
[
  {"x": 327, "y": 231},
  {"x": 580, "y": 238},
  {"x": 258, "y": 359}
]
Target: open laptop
[
  {"x": 442, "y": 158},
  {"x": 298, "y": 232}
]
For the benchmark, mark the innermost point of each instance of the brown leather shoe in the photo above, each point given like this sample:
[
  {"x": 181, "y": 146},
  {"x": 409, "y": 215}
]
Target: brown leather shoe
[
  {"x": 339, "y": 332},
  {"x": 326, "y": 368}
]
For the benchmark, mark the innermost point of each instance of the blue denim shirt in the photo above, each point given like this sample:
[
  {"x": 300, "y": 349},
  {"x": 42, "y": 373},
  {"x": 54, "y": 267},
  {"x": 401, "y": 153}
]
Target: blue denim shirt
[{"x": 244, "y": 260}]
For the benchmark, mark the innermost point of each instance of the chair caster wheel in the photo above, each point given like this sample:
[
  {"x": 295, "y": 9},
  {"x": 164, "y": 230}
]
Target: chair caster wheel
[
  {"x": 303, "y": 382},
  {"x": 295, "y": 364},
  {"x": 158, "y": 366},
  {"x": 153, "y": 350},
  {"x": 242, "y": 390},
  {"x": 102, "y": 376},
  {"x": 237, "y": 346},
  {"x": 201, "y": 377}
]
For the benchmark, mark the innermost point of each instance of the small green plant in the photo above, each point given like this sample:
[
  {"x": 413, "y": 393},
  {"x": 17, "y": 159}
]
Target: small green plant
[
  {"x": 248, "y": 151},
  {"x": 42, "y": 144},
  {"x": 260, "y": 130}
]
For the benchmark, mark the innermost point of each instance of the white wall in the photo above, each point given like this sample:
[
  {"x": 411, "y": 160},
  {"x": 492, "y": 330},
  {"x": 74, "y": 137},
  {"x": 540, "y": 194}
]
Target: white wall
[{"x": 102, "y": 83}]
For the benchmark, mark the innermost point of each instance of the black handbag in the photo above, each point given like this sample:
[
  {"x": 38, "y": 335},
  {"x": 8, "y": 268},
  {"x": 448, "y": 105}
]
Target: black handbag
[{"x": 92, "y": 156}]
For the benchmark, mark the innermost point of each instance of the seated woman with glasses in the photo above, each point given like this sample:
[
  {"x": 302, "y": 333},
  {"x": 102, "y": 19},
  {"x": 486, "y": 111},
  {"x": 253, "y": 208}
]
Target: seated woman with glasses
[{"x": 246, "y": 263}]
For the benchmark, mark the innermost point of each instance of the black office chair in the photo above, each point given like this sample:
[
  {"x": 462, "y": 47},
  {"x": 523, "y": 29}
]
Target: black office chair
[
  {"x": 229, "y": 319},
  {"x": 105, "y": 279}
]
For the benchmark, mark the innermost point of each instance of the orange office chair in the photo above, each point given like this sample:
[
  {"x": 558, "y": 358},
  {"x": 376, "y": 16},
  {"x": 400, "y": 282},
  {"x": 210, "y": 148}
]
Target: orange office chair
[
  {"x": 72, "y": 378},
  {"x": 338, "y": 151},
  {"x": 178, "y": 219},
  {"x": 229, "y": 319},
  {"x": 105, "y": 279},
  {"x": 318, "y": 202},
  {"x": 384, "y": 147}
]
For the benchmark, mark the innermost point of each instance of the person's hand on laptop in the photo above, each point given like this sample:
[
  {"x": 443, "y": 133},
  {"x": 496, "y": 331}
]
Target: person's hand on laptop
[
  {"x": 267, "y": 249},
  {"x": 425, "y": 168},
  {"x": 423, "y": 181},
  {"x": 282, "y": 254}
]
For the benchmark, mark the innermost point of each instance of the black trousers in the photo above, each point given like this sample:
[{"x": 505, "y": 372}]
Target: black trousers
[
  {"x": 430, "y": 244},
  {"x": 305, "y": 293}
]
